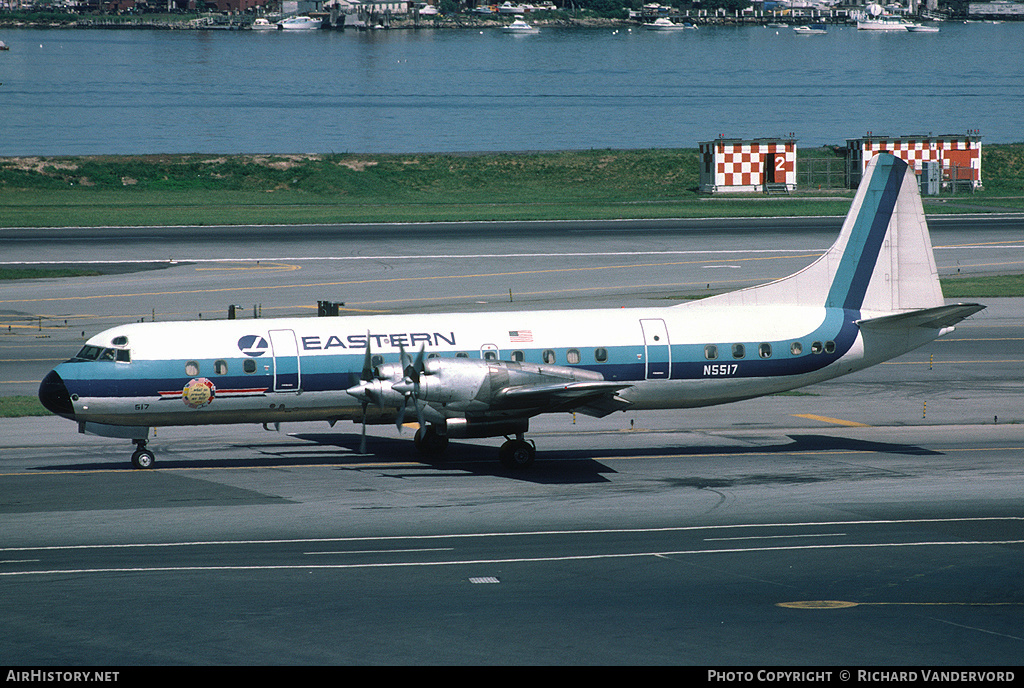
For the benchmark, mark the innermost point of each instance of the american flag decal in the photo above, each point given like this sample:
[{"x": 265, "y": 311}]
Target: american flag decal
[{"x": 520, "y": 335}]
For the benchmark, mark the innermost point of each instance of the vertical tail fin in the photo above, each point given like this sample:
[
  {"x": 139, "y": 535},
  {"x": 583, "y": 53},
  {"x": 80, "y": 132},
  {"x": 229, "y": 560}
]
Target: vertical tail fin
[{"x": 882, "y": 261}]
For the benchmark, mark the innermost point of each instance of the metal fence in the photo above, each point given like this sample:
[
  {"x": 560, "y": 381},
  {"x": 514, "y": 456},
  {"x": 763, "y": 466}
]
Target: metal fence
[
  {"x": 832, "y": 173},
  {"x": 821, "y": 173}
]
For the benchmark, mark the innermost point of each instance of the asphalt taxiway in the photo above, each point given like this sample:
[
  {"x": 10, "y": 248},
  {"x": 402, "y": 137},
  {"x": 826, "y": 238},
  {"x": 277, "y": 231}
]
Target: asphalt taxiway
[{"x": 873, "y": 520}]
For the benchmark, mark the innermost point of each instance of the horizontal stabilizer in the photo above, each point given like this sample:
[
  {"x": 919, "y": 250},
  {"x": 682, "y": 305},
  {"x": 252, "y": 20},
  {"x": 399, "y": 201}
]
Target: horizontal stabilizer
[{"x": 931, "y": 318}]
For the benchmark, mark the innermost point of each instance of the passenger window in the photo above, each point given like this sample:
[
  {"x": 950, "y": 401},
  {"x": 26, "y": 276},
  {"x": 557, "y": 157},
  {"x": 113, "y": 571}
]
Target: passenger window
[
  {"x": 518, "y": 356},
  {"x": 738, "y": 351},
  {"x": 462, "y": 354},
  {"x": 764, "y": 350},
  {"x": 549, "y": 356},
  {"x": 600, "y": 354},
  {"x": 249, "y": 365},
  {"x": 220, "y": 367},
  {"x": 572, "y": 356},
  {"x": 711, "y": 352},
  {"x": 490, "y": 355},
  {"x": 191, "y": 368},
  {"x": 816, "y": 348},
  {"x": 376, "y": 360},
  {"x": 830, "y": 347},
  {"x": 796, "y": 348}
]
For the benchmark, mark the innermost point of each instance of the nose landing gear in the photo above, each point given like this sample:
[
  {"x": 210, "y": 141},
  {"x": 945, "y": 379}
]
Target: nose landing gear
[{"x": 142, "y": 457}]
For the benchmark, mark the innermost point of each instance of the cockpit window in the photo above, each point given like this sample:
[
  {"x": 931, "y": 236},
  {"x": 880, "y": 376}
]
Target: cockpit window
[
  {"x": 98, "y": 353},
  {"x": 89, "y": 353}
]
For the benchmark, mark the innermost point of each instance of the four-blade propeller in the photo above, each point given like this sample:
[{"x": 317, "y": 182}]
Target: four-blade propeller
[{"x": 373, "y": 387}]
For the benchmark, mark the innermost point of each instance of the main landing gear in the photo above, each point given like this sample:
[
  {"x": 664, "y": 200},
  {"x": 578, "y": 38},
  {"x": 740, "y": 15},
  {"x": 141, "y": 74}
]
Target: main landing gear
[
  {"x": 429, "y": 441},
  {"x": 142, "y": 457},
  {"x": 517, "y": 453},
  {"x": 514, "y": 453}
]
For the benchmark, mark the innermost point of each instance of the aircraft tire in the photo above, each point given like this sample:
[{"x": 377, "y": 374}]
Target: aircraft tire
[
  {"x": 517, "y": 454},
  {"x": 143, "y": 458},
  {"x": 429, "y": 442}
]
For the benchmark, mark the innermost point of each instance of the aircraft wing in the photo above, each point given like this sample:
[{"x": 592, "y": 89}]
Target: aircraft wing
[
  {"x": 591, "y": 397},
  {"x": 932, "y": 318}
]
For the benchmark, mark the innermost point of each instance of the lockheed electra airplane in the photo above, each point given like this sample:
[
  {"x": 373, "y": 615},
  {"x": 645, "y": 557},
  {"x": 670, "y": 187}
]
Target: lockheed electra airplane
[{"x": 872, "y": 296}]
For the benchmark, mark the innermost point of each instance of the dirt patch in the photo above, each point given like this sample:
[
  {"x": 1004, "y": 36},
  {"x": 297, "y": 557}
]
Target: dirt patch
[
  {"x": 37, "y": 165},
  {"x": 283, "y": 162},
  {"x": 358, "y": 165}
]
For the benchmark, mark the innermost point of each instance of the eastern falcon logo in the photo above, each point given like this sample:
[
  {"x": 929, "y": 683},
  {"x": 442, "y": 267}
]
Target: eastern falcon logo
[{"x": 253, "y": 345}]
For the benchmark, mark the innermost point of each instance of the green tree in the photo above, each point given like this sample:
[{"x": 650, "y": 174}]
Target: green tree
[{"x": 729, "y": 5}]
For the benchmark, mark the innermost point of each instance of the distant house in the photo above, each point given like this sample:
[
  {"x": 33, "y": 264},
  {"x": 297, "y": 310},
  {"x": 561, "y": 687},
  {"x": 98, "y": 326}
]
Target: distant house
[
  {"x": 354, "y": 7},
  {"x": 236, "y": 5},
  {"x": 1006, "y": 10}
]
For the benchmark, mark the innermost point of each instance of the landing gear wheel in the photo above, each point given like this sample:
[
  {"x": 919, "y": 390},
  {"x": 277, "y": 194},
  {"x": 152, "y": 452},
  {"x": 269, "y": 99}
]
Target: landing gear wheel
[
  {"x": 517, "y": 454},
  {"x": 429, "y": 442},
  {"x": 143, "y": 458}
]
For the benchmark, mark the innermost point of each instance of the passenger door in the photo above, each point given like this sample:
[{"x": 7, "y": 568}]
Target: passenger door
[
  {"x": 657, "y": 352},
  {"x": 287, "y": 368}
]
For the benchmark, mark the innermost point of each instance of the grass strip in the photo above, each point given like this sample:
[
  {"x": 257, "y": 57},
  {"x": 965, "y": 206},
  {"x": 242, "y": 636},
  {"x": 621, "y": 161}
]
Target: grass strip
[
  {"x": 982, "y": 287},
  {"x": 167, "y": 190},
  {"x": 21, "y": 406},
  {"x": 44, "y": 273}
]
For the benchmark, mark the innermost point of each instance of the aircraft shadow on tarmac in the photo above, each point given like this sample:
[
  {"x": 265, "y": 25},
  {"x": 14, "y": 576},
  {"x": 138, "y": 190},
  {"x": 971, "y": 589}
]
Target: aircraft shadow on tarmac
[{"x": 556, "y": 466}]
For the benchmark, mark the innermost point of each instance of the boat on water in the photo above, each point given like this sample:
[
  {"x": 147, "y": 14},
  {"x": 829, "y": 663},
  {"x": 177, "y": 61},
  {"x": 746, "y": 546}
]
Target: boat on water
[
  {"x": 3, "y": 46},
  {"x": 509, "y": 8},
  {"x": 666, "y": 24},
  {"x": 520, "y": 26},
  {"x": 810, "y": 29},
  {"x": 875, "y": 19},
  {"x": 300, "y": 23},
  {"x": 886, "y": 23},
  {"x": 262, "y": 24},
  {"x": 922, "y": 28}
]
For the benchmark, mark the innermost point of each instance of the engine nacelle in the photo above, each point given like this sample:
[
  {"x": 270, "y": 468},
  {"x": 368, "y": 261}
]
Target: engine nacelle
[
  {"x": 379, "y": 392},
  {"x": 465, "y": 428},
  {"x": 474, "y": 385}
]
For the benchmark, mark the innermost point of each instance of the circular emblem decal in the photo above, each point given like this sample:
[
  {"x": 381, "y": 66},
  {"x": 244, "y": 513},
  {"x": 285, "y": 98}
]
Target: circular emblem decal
[
  {"x": 198, "y": 392},
  {"x": 253, "y": 345}
]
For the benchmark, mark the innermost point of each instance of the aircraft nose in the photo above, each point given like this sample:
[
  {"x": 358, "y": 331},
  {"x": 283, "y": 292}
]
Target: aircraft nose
[{"x": 53, "y": 394}]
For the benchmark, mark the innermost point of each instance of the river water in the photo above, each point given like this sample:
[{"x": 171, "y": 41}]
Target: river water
[{"x": 94, "y": 91}]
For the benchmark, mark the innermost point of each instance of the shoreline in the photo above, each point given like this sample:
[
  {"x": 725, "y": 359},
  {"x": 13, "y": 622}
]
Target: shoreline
[{"x": 553, "y": 20}]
